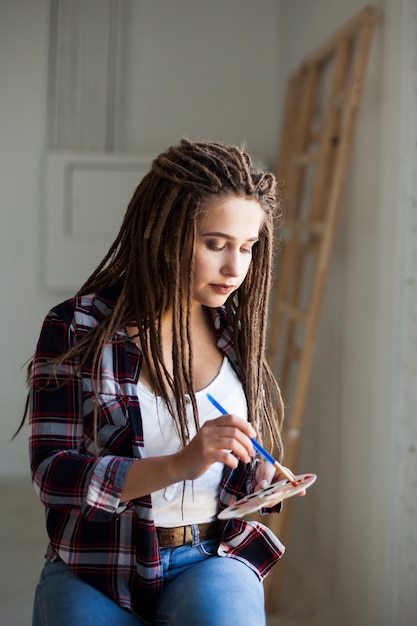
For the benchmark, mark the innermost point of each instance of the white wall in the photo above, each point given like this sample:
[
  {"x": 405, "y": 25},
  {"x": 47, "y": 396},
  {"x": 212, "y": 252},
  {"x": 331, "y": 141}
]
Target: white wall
[
  {"x": 23, "y": 75},
  {"x": 206, "y": 70},
  {"x": 358, "y": 534}
]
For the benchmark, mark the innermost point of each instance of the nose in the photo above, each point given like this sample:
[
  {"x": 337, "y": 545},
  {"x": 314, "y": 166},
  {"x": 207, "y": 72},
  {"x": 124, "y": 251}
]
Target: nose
[{"x": 233, "y": 264}]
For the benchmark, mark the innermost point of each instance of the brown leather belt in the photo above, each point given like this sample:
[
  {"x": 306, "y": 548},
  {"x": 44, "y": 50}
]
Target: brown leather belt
[{"x": 182, "y": 535}]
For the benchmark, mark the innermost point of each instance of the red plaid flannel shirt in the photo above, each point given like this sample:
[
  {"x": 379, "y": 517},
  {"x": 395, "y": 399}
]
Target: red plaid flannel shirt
[{"x": 109, "y": 543}]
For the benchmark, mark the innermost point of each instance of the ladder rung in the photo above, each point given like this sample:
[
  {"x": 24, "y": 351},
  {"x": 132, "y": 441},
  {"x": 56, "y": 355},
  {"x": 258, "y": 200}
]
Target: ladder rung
[{"x": 297, "y": 314}]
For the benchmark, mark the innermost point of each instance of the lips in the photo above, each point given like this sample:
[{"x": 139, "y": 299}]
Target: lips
[{"x": 224, "y": 290}]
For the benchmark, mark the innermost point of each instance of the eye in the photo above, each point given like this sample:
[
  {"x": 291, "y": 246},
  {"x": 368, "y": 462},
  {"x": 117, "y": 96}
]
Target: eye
[
  {"x": 215, "y": 245},
  {"x": 248, "y": 249}
]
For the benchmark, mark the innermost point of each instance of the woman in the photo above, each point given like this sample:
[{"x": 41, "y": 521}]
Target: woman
[{"x": 129, "y": 457}]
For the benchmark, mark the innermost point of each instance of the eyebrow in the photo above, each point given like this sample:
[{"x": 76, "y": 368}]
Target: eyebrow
[{"x": 225, "y": 236}]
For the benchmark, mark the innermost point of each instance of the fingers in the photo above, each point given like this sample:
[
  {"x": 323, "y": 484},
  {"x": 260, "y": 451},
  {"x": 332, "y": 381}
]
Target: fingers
[
  {"x": 233, "y": 421},
  {"x": 225, "y": 440},
  {"x": 229, "y": 434},
  {"x": 265, "y": 475}
]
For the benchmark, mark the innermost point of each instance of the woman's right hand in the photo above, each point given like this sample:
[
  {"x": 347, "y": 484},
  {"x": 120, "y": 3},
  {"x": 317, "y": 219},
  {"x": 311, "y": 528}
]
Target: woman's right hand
[{"x": 225, "y": 439}]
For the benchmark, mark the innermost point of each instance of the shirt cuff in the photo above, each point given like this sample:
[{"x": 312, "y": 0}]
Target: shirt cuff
[{"x": 104, "y": 491}]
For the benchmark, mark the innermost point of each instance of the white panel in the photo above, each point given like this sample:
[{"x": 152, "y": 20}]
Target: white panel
[
  {"x": 86, "y": 196},
  {"x": 98, "y": 198}
]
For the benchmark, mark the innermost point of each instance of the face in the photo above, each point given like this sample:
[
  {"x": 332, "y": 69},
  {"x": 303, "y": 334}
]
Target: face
[{"x": 223, "y": 252}]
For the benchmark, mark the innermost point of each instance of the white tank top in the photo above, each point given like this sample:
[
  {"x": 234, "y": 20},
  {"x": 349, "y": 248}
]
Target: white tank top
[{"x": 160, "y": 438}]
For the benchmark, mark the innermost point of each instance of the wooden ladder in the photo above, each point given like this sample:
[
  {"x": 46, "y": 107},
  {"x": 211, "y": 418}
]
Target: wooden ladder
[{"x": 321, "y": 108}]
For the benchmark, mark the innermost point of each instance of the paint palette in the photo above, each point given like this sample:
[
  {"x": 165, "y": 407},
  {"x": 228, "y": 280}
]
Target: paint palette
[{"x": 267, "y": 497}]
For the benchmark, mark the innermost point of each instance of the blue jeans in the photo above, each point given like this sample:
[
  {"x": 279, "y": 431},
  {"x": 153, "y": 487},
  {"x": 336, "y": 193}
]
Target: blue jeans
[{"x": 200, "y": 588}]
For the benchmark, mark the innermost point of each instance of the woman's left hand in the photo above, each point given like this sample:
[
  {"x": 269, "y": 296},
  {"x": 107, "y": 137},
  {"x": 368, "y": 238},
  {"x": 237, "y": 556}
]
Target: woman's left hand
[{"x": 266, "y": 474}]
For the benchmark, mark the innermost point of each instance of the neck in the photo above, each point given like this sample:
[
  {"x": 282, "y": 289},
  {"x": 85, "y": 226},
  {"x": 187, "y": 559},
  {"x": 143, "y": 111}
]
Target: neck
[{"x": 198, "y": 319}]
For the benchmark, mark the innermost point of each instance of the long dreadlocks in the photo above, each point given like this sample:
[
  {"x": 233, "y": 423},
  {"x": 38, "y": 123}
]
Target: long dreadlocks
[{"x": 147, "y": 260}]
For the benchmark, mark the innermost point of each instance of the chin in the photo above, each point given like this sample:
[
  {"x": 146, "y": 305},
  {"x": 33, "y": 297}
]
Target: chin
[
  {"x": 219, "y": 301},
  {"x": 212, "y": 302}
]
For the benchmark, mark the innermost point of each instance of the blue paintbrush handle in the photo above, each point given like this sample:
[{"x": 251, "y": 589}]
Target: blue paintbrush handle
[
  {"x": 217, "y": 405},
  {"x": 262, "y": 451}
]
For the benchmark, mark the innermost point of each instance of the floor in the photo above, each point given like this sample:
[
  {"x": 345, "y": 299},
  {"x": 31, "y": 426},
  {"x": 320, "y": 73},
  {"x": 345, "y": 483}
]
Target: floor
[{"x": 22, "y": 545}]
